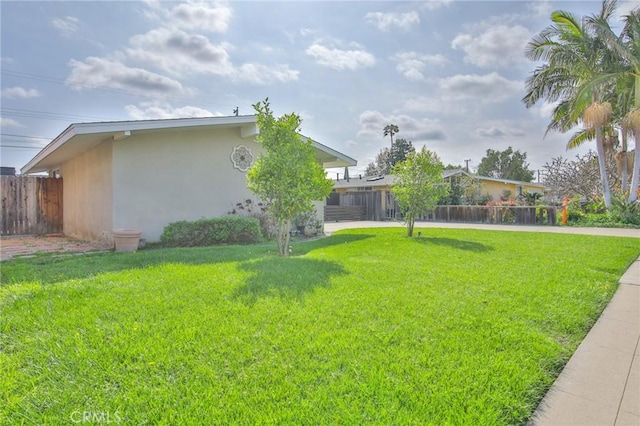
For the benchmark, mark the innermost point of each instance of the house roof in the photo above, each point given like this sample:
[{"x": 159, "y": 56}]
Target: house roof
[
  {"x": 389, "y": 180},
  {"x": 506, "y": 181},
  {"x": 81, "y": 137},
  {"x": 368, "y": 181}
]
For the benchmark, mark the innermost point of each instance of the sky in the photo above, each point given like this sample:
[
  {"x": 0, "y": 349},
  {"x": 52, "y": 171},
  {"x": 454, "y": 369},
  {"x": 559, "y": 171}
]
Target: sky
[{"x": 450, "y": 74}]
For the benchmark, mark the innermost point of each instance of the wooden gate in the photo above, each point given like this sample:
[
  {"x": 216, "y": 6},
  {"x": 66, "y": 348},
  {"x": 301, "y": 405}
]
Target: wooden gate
[{"x": 30, "y": 205}]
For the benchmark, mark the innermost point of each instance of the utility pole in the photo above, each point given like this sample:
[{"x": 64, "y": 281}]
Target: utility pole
[
  {"x": 466, "y": 162},
  {"x": 235, "y": 111}
]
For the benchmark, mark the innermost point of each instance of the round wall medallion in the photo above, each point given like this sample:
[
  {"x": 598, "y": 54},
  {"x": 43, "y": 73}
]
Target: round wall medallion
[{"x": 241, "y": 158}]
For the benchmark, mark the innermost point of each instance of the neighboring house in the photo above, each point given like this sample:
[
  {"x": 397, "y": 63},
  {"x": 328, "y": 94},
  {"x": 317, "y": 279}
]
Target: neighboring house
[
  {"x": 146, "y": 174},
  {"x": 370, "y": 198},
  {"x": 493, "y": 187},
  {"x": 498, "y": 188}
]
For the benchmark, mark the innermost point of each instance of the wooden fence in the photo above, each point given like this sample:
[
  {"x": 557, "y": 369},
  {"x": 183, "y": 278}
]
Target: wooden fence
[
  {"x": 30, "y": 205},
  {"x": 381, "y": 205},
  {"x": 374, "y": 203},
  {"x": 338, "y": 213},
  {"x": 504, "y": 215}
]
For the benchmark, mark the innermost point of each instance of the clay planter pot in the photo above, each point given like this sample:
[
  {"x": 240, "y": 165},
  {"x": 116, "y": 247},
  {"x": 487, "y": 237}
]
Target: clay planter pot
[{"x": 127, "y": 240}]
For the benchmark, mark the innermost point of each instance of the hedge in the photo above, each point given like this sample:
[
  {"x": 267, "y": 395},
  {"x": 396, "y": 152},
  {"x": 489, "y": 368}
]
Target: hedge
[{"x": 230, "y": 229}]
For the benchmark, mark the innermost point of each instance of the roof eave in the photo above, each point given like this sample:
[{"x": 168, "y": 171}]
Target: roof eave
[{"x": 31, "y": 166}]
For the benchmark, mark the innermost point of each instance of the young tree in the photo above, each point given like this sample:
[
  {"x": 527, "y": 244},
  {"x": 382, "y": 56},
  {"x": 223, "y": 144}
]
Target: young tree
[
  {"x": 419, "y": 186},
  {"x": 507, "y": 164},
  {"x": 286, "y": 175}
]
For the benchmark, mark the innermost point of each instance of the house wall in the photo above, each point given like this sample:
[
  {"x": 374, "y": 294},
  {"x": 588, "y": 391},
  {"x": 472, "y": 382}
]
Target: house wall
[
  {"x": 495, "y": 189},
  {"x": 167, "y": 176},
  {"x": 88, "y": 194}
]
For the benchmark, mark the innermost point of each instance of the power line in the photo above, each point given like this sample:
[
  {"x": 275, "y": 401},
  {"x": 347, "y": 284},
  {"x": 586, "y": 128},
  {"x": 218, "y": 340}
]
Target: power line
[
  {"x": 16, "y": 112},
  {"x": 21, "y": 147},
  {"x": 25, "y": 136}
]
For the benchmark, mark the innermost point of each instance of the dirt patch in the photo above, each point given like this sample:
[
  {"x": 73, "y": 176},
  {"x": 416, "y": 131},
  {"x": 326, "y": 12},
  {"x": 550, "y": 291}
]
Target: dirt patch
[{"x": 21, "y": 246}]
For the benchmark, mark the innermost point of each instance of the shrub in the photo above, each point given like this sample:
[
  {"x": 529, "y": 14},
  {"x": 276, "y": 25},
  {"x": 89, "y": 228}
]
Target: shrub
[
  {"x": 230, "y": 229},
  {"x": 624, "y": 211},
  {"x": 258, "y": 210}
]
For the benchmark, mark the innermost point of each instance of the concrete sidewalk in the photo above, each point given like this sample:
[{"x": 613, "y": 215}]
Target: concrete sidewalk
[{"x": 600, "y": 385}]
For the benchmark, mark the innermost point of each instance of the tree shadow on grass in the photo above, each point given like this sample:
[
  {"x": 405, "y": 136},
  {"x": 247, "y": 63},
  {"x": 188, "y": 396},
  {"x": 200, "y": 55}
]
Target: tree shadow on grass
[
  {"x": 304, "y": 247},
  {"x": 51, "y": 269},
  {"x": 453, "y": 243},
  {"x": 285, "y": 277}
]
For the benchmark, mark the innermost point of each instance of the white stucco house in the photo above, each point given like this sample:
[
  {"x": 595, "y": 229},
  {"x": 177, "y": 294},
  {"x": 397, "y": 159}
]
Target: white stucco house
[{"x": 146, "y": 174}]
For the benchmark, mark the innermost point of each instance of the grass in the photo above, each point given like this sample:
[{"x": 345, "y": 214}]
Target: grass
[{"x": 366, "y": 326}]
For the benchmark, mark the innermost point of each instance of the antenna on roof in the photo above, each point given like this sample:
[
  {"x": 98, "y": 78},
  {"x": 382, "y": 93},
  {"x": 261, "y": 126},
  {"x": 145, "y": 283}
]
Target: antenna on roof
[{"x": 235, "y": 111}]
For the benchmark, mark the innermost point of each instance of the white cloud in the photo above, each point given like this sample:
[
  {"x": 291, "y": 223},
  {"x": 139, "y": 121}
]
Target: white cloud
[
  {"x": 424, "y": 104},
  {"x": 306, "y": 32},
  {"x": 624, "y": 7},
  {"x": 176, "y": 52},
  {"x": 412, "y": 64},
  {"x": 193, "y": 15},
  {"x": 388, "y": 21},
  {"x": 416, "y": 130},
  {"x": 9, "y": 122},
  {"x": 488, "y": 88},
  {"x": 545, "y": 110},
  {"x": 497, "y": 132},
  {"x": 96, "y": 72},
  {"x": 19, "y": 92},
  {"x": 493, "y": 46},
  {"x": 339, "y": 59},
  {"x": 460, "y": 94},
  {"x": 435, "y": 4},
  {"x": 540, "y": 8},
  {"x": 163, "y": 110},
  {"x": 67, "y": 25},
  {"x": 263, "y": 74}
]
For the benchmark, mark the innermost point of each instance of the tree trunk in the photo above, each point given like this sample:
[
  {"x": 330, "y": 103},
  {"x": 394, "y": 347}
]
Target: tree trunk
[
  {"x": 635, "y": 180},
  {"x": 606, "y": 191},
  {"x": 625, "y": 169},
  {"x": 283, "y": 237},
  {"x": 410, "y": 222}
]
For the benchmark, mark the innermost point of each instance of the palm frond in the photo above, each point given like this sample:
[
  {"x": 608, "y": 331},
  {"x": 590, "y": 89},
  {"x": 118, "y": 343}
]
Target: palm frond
[{"x": 580, "y": 137}]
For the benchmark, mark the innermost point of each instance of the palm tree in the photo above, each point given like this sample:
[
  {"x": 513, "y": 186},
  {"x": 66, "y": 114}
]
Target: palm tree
[
  {"x": 390, "y": 130},
  {"x": 575, "y": 74},
  {"x": 626, "y": 47}
]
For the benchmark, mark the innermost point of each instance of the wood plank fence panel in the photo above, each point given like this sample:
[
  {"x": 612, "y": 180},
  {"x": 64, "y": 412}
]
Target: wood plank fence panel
[
  {"x": 381, "y": 205},
  {"x": 505, "y": 215},
  {"x": 338, "y": 213},
  {"x": 30, "y": 205}
]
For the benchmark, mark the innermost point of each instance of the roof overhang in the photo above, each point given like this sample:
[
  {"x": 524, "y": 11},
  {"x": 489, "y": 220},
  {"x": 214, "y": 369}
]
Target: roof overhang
[
  {"x": 81, "y": 137},
  {"x": 329, "y": 157}
]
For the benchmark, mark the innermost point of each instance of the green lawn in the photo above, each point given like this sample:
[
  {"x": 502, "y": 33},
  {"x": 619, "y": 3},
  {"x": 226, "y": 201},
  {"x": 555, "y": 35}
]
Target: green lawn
[{"x": 366, "y": 326}]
